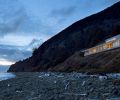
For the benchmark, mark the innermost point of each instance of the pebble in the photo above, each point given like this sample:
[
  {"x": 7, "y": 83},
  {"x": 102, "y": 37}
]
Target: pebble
[
  {"x": 8, "y": 85},
  {"x": 30, "y": 85},
  {"x": 55, "y": 82},
  {"x": 83, "y": 83},
  {"x": 47, "y": 75},
  {"x": 67, "y": 86},
  {"x": 102, "y": 78}
]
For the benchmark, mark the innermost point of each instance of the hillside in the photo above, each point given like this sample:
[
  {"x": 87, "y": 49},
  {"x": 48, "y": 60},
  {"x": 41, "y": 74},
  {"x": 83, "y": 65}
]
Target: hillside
[
  {"x": 82, "y": 34},
  {"x": 108, "y": 61}
]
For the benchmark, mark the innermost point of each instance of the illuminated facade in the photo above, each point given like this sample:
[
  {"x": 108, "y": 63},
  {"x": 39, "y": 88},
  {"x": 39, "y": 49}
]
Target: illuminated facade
[{"x": 109, "y": 44}]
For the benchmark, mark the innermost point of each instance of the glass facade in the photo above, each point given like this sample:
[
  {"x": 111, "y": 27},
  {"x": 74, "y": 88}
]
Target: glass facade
[{"x": 109, "y": 44}]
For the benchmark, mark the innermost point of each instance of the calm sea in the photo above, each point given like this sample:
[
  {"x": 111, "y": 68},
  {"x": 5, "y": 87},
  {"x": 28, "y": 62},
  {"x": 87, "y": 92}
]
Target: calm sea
[
  {"x": 3, "y": 73},
  {"x": 4, "y": 68}
]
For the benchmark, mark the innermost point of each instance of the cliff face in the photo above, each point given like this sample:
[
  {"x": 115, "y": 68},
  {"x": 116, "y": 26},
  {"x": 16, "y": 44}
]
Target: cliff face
[{"x": 82, "y": 34}]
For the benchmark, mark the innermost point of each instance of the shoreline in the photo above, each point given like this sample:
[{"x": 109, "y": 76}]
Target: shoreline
[{"x": 59, "y": 86}]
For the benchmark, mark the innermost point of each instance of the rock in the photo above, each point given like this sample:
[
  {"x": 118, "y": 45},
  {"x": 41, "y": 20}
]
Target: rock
[
  {"x": 47, "y": 75},
  {"x": 8, "y": 85},
  {"x": 91, "y": 90},
  {"x": 83, "y": 83},
  {"x": 116, "y": 92},
  {"x": 55, "y": 88},
  {"x": 89, "y": 83},
  {"x": 116, "y": 82},
  {"x": 102, "y": 78},
  {"x": 55, "y": 82},
  {"x": 114, "y": 98},
  {"x": 66, "y": 86}
]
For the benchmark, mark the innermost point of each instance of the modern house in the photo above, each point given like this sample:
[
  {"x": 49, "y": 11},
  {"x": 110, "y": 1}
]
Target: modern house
[{"x": 109, "y": 44}]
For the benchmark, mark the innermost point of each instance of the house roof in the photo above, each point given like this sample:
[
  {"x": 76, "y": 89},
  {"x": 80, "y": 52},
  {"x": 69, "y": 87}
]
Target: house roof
[
  {"x": 100, "y": 43},
  {"x": 113, "y": 38}
]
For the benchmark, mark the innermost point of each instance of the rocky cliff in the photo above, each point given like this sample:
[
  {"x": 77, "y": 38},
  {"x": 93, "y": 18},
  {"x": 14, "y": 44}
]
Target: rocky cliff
[{"x": 82, "y": 34}]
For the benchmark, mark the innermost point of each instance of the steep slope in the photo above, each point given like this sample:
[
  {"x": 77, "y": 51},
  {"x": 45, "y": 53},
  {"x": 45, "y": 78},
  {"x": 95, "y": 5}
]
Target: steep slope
[
  {"x": 108, "y": 61},
  {"x": 82, "y": 34}
]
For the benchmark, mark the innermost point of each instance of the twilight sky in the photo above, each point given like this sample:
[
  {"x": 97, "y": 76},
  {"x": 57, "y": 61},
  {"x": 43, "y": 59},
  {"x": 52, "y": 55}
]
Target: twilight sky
[{"x": 25, "y": 24}]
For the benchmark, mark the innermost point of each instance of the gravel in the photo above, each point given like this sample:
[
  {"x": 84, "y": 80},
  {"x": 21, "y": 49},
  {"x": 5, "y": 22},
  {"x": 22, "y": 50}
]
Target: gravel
[{"x": 60, "y": 86}]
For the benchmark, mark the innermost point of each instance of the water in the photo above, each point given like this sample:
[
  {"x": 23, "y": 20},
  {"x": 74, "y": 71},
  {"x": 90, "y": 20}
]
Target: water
[
  {"x": 3, "y": 73},
  {"x": 5, "y": 76},
  {"x": 4, "y": 68}
]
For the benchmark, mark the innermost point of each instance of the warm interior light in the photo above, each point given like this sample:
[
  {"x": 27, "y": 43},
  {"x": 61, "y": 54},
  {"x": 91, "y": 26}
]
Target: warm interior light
[{"x": 5, "y": 62}]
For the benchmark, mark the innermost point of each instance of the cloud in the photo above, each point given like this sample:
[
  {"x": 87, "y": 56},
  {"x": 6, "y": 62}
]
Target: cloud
[
  {"x": 97, "y": 4},
  {"x": 13, "y": 53},
  {"x": 35, "y": 43},
  {"x": 110, "y": 1},
  {"x": 15, "y": 19},
  {"x": 11, "y": 16},
  {"x": 63, "y": 12},
  {"x": 82, "y": 7}
]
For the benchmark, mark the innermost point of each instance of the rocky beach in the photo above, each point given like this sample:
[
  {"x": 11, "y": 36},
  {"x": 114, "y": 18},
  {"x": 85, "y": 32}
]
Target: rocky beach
[
  {"x": 60, "y": 86},
  {"x": 59, "y": 49}
]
